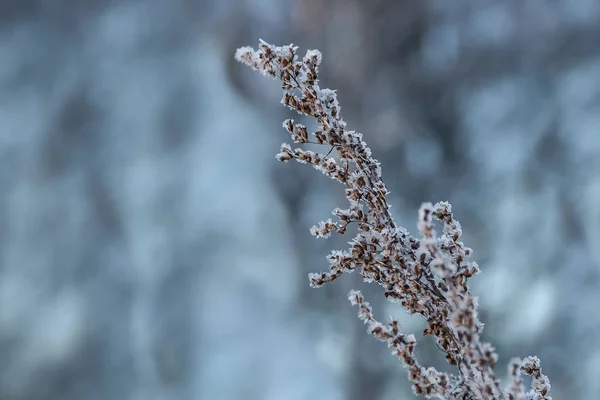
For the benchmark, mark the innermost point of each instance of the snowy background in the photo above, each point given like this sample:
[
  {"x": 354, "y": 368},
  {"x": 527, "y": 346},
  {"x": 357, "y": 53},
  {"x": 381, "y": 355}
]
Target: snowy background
[{"x": 153, "y": 248}]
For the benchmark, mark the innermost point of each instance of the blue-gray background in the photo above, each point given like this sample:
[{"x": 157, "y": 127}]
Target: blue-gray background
[{"x": 153, "y": 248}]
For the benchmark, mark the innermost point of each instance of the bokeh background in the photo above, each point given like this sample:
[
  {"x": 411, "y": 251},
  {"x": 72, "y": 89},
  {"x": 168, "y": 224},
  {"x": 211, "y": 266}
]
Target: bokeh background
[{"x": 153, "y": 248}]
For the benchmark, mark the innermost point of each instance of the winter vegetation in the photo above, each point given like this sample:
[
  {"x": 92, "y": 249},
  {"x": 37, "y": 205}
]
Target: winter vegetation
[
  {"x": 427, "y": 274},
  {"x": 152, "y": 247}
]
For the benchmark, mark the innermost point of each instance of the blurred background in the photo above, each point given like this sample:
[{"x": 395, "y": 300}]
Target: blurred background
[{"x": 153, "y": 248}]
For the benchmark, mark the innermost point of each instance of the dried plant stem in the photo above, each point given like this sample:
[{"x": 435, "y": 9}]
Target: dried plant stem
[{"x": 428, "y": 276}]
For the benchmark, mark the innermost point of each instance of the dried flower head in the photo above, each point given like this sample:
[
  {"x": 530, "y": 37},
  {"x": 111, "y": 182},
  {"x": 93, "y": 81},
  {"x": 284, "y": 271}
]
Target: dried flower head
[{"x": 427, "y": 275}]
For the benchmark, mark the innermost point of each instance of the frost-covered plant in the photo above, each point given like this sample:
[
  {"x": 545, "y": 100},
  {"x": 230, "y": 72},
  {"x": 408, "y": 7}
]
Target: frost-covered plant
[{"x": 428, "y": 276}]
